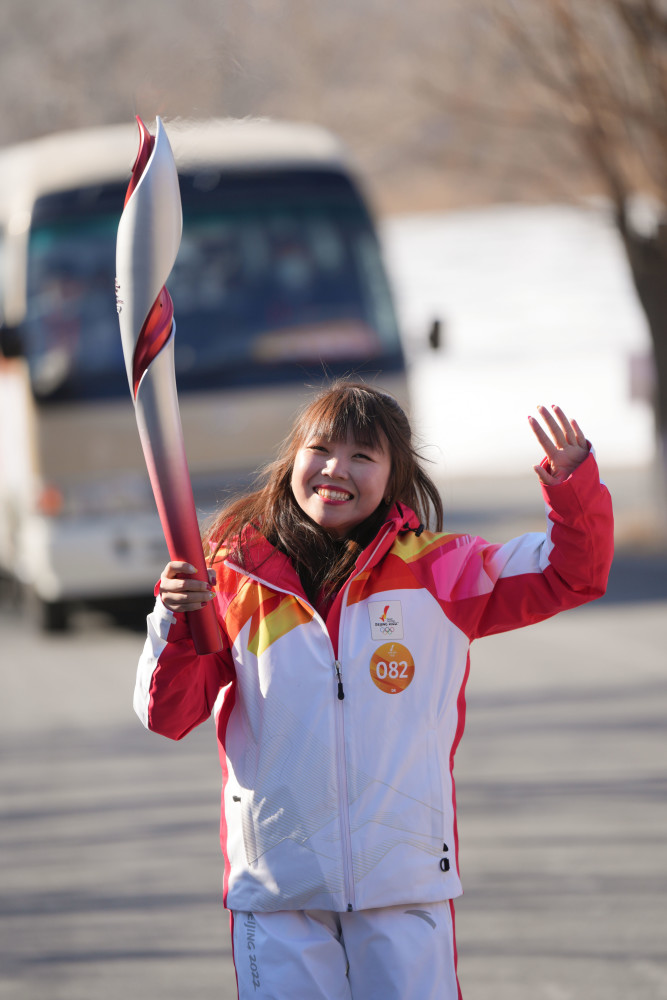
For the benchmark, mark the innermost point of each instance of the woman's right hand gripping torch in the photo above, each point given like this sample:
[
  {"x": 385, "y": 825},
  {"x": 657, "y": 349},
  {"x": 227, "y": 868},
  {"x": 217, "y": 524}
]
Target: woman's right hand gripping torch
[{"x": 149, "y": 234}]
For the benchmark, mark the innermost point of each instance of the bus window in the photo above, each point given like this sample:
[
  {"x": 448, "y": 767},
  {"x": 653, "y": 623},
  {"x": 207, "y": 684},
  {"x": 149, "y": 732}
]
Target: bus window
[
  {"x": 278, "y": 278},
  {"x": 71, "y": 325}
]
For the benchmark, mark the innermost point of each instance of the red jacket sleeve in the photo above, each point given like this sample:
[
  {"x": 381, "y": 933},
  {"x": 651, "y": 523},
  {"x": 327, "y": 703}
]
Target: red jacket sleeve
[
  {"x": 176, "y": 688},
  {"x": 500, "y": 587}
]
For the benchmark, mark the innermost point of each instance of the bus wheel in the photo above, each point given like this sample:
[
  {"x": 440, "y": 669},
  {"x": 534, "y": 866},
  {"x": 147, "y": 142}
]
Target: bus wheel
[{"x": 48, "y": 616}]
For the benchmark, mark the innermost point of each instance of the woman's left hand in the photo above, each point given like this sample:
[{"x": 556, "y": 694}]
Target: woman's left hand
[{"x": 565, "y": 445}]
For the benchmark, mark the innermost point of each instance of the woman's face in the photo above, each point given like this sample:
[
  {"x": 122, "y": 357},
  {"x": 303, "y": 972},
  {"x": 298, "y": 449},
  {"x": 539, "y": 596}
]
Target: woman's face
[{"x": 338, "y": 484}]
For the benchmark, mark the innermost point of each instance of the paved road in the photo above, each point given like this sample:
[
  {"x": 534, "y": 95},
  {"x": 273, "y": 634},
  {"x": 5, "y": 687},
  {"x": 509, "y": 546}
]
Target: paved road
[{"x": 109, "y": 843}]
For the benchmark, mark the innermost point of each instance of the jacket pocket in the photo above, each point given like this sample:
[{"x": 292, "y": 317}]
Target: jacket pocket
[{"x": 436, "y": 785}]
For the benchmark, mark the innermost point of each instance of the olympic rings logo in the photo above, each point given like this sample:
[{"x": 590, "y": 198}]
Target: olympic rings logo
[{"x": 387, "y": 629}]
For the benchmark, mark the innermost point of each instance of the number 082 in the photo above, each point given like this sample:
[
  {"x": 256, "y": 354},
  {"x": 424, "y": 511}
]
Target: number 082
[{"x": 393, "y": 670}]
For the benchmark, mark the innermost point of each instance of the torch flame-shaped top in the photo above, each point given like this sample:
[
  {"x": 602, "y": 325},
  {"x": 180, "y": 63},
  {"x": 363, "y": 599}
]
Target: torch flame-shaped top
[{"x": 149, "y": 235}]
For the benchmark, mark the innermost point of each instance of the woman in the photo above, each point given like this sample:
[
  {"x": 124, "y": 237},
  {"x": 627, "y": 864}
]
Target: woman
[{"x": 339, "y": 697}]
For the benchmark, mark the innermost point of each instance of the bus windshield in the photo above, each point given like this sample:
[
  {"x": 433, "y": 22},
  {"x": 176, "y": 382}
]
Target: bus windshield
[{"x": 278, "y": 277}]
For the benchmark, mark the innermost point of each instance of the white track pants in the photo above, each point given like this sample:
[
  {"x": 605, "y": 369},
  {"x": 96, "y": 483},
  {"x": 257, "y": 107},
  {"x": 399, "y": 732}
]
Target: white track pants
[{"x": 394, "y": 953}]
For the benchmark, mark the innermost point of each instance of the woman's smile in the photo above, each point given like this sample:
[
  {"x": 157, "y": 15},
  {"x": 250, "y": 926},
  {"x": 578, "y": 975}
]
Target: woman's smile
[{"x": 333, "y": 496}]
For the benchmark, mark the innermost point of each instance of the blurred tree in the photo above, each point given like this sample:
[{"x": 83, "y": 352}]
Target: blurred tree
[{"x": 602, "y": 67}]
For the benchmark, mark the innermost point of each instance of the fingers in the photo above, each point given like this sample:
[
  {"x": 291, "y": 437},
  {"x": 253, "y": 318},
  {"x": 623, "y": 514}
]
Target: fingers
[
  {"x": 569, "y": 432},
  {"x": 563, "y": 441},
  {"x": 183, "y": 593},
  {"x": 543, "y": 475},
  {"x": 174, "y": 568},
  {"x": 542, "y": 436},
  {"x": 579, "y": 435},
  {"x": 559, "y": 430},
  {"x": 563, "y": 431}
]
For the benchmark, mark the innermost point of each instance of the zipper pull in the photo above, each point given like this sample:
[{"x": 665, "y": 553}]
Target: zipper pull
[{"x": 341, "y": 693}]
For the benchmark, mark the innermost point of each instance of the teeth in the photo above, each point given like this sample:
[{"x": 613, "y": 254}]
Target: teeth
[{"x": 333, "y": 494}]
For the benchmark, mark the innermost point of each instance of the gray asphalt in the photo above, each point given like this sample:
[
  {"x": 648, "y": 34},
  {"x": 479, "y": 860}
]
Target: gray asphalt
[{"x": 111, "y": 871}]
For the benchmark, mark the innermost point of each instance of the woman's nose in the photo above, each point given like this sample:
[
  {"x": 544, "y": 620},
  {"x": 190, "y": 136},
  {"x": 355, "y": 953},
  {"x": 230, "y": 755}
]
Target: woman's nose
[{"x": 336, "y": 467}]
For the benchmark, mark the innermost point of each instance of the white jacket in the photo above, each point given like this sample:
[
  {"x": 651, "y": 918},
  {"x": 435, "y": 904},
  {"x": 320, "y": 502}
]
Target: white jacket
[{"x": 339, "y": 803}]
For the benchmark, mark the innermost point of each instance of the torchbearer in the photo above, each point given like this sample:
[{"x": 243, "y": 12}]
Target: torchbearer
[{"x": 149, "y": 235}]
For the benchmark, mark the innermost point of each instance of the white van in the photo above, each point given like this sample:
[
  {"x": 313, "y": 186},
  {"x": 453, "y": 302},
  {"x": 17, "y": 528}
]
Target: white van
[{"x": 279, "y": 284}]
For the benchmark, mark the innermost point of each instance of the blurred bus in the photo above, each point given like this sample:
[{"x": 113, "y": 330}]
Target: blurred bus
[{"x": 279, "y": 284}]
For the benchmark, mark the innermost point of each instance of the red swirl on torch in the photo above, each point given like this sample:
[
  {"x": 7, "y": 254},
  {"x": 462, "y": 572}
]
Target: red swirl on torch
[
  {"x": 146, "y": 144},
  {"x": 149, "y": 235},
  {"x": 154, "y": 334}
]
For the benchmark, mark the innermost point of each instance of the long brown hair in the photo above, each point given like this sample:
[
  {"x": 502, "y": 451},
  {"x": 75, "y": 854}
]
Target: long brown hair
[{"x": 323, "y": 562}]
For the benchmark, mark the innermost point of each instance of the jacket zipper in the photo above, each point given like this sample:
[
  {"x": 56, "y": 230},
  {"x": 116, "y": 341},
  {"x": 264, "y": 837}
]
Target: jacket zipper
[
  {"x": 341, "y": 757},
  {"x": 339, "y": 676},
  {"x": 341, "y": 760},
  {"x": 343, "y": 800}
]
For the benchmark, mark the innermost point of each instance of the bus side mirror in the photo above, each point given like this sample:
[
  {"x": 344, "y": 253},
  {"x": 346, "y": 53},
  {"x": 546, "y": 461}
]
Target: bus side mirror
[
  {"x": 11, "y": 341},
  {"x": 436, "y": 339}
]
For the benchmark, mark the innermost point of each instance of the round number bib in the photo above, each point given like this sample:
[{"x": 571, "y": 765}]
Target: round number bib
[{"x": 392, "y": 667}]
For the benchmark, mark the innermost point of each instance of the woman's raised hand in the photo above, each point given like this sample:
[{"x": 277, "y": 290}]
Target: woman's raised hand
[
  {"x": 184, "y": 594},
  {"x": 565, "y": 444}
]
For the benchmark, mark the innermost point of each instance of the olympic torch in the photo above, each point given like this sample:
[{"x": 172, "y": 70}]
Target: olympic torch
[{"x": 149, "y": 235}]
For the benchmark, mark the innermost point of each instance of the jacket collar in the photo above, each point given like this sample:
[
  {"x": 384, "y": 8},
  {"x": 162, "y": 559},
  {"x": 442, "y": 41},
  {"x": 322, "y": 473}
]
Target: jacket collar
[
  {"x": 272, "y": 567},
  {"x": 399, "y": 520}
]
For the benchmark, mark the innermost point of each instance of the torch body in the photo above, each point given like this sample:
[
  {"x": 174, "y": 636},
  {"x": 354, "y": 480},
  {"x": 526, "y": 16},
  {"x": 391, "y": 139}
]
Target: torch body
[{"x": 149, "y": 234}]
